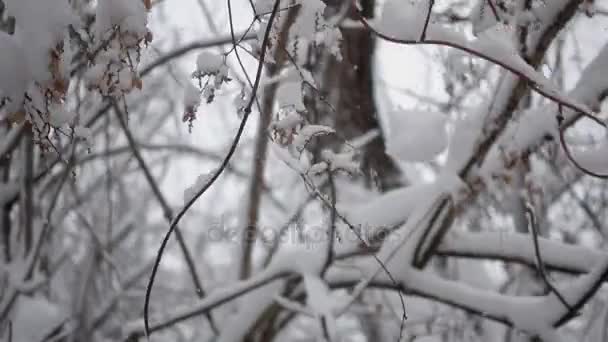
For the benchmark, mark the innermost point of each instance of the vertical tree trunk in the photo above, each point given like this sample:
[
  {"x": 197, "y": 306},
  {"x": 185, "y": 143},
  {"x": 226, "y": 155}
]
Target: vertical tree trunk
[
  {"x": 5, "y": 209},
  {"x": 261, "y": 148},
  {"x": 350, "y": 87}
]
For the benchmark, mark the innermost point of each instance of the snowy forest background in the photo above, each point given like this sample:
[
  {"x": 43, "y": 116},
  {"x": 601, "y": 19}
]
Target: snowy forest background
[{"x": 303, "y": 170}]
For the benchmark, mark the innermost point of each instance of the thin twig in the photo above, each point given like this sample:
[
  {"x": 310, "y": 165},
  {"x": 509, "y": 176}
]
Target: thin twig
[
  {"x": 216, "y": 175},
  {"x": 541, "y": 266},
  {"x": 562, "y": 141},
  {"x": 427, "y": 20},
  {"x": 167, "y": 212},
  {"x": 494, "y": 10}
]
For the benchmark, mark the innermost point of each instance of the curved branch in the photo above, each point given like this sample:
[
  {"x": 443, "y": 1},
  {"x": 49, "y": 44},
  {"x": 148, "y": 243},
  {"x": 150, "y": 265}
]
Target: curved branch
[
  {"x": 217, "y": 174},
  {"x": 167, "y": 212},
  {"x": 552, "y": 95}
]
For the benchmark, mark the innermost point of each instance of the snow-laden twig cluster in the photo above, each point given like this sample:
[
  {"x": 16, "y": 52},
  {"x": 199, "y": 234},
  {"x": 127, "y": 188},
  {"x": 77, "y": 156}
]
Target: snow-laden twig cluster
[{"x": 52, "y": 43}]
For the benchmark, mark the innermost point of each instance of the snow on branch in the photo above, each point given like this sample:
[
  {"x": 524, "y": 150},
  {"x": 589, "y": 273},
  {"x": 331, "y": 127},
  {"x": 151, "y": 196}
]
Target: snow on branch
[
  {"x": 51, "y": 44},
  {"x": 489, "y": 46},
  {"x": 514, "y": 247},
  {"x": 535, "y": 124}
]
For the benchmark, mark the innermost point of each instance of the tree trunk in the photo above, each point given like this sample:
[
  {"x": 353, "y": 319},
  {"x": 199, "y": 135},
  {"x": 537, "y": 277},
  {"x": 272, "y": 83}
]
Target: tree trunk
[{"x": 350, "y": 89}]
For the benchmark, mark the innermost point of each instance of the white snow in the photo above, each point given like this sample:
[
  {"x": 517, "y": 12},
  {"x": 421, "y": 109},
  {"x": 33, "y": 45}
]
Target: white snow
[
  {"x": 389, "y": 209},
  {"x": 416, "y": 136},
  {"x": 307, "y": 133},
  {"x": 40, "y": 26},
  {"x": 290, "y": 94},
  {"x": 517, "y": 246},
  {"x": 463, "y": 140},
  {"x": 111, "y": 13},
  {"x": 192, "y": 96},
  {"x": 200, "y": 183},
  {"x": 288, "y": 123},
  {"x": 301, "y": 259},
  {"x": 209, "y": 63},
  {"x": 341, "y": 161},
  {"x": 534, "y": 124}
]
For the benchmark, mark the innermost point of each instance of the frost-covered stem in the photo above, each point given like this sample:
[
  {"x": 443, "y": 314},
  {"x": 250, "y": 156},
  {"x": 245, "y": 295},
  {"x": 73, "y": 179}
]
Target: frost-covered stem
[
  {"x": 261, "y": 150},
  {"x": 167, "y": 212},
  {"x": 217, "y": 174},
  {"x": 539, "y": 260},
  {"x": 257, "y": 182},
  {"x": 27, "y": 201},
  {"x": 7, "y": 146},
  {"x": 331, "y": 230}
]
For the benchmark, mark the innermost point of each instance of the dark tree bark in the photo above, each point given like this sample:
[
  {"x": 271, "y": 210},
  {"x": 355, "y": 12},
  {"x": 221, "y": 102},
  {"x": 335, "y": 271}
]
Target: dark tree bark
[{"x": 349, "y": 86}]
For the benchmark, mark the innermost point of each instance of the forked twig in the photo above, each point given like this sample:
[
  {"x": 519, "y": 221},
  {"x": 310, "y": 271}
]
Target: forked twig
[{"x": 541, "y": 266}]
